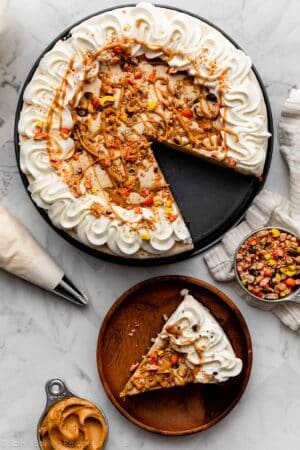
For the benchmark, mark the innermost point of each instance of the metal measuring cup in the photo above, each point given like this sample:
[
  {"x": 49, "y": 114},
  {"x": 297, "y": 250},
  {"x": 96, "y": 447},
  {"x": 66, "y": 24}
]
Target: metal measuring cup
[
  {"x": 56, "y": 391},
  {"x": 253, "y": 299}
]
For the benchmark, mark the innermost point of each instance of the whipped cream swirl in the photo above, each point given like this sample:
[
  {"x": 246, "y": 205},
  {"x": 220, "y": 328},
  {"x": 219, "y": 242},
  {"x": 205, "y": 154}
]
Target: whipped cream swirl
[{"x": 203, "y": 342}]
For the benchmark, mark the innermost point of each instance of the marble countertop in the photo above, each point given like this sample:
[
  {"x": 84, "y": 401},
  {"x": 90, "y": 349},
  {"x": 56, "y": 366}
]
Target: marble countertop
[{"x": 43, "y": 337}]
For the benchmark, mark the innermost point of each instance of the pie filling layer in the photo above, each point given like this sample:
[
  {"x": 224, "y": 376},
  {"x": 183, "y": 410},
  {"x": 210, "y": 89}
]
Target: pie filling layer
[
  {"x": 100, "y": 98},
  {"x": 191, "y": 348}
]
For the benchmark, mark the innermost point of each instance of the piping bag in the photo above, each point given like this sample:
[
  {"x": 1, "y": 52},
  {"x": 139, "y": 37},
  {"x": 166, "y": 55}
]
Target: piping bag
[{"x": 22, "y": 255}]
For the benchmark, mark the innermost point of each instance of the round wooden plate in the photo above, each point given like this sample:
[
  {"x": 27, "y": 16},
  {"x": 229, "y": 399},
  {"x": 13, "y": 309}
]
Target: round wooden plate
[{"x": 175, "y": 411}]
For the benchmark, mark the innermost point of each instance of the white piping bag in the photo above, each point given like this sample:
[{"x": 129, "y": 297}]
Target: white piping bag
[{"x": 22, "y": 255}]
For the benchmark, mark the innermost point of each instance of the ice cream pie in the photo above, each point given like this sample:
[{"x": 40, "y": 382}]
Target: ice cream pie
[
  {"x": 191, "y": 348},
  {"x": 101, "y": 96}
]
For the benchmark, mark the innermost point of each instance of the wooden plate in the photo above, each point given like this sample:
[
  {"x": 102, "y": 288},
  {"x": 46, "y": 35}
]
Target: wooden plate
[{"x": 175, "y": 411}]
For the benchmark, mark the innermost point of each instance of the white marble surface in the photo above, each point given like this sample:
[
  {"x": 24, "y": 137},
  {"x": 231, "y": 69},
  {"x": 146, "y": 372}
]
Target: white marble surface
[{"x": 42, "y": 337}]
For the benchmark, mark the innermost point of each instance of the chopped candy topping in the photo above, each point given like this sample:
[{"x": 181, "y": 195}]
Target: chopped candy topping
[
  {"x": 130, "y": 180},
  {"x": 187, "y": 112},
  {"x": 117, "y": 50},
  {"x": 124, "y": 117},
  {"x": 138, "y": 75},
  {"x": 152, "y": 77},
  {"x": 152, "y": 106},
  {"x": 88, "y": 184},
  {"x": 106, "y": 162},
  {"x": 290, "y": 282},
  {"x": 96, "y": 210},
  {"x": 275, "y": 232},
  {"x": 148, "y": 200},
  {"x": 96, "y": 102},
  {"x": 174, "y": 359},
  {"x": 39, "y": 135},
  {"x": 118, "y": 117},
  {"x": 145, "y": 236},
  {"x": 65, "y": 132},
  {"x": 106, "y": 99},
  {"x": 125, "y": 191},
  {"x": 168, "y": 211}
]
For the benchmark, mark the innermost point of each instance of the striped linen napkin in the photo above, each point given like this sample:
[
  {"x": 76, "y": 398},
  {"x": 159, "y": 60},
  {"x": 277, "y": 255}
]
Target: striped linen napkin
[{"x": 269, "y": 208}]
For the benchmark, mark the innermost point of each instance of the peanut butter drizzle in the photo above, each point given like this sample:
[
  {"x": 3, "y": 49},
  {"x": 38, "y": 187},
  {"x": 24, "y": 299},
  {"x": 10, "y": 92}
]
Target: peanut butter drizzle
[
  {"x": 57, "y": 106},
  {"x": 111, "y": 116},
  {"x": 221, "y": 89}
]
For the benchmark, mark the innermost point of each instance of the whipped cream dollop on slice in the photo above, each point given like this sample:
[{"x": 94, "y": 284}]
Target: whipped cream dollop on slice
[{"x": 194, "y": 332}]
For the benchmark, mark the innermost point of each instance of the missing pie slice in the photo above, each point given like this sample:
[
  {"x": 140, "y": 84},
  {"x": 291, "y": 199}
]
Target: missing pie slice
[{"x": 191, "y": 348}]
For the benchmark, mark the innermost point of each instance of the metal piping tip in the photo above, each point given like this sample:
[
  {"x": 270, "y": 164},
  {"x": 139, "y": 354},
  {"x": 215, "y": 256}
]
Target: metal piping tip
[{"x": 69, "y": 292}]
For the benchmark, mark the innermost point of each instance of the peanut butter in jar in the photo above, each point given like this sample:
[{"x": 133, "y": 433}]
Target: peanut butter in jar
[{"x": 73, "y": 423}]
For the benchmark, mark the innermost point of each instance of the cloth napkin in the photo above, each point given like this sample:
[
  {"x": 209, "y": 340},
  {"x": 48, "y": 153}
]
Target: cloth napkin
[{"x": 269, "y": 208}]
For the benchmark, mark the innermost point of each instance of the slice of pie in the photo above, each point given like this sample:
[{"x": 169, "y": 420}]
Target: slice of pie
[
  {"x": 99, "y": 99},
  {"x": 191, "y": 348}
]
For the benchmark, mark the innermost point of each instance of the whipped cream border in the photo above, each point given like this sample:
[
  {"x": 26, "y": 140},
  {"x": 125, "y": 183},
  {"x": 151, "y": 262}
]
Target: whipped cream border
[{"x": 158, "y": 26}]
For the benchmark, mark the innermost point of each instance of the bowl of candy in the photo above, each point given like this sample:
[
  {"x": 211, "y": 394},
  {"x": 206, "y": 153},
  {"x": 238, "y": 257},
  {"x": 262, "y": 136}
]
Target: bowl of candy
[{"x": 267, "y": 265}]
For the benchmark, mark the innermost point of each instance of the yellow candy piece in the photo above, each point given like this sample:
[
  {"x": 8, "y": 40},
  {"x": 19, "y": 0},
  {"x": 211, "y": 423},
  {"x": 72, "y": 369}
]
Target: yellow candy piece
[
  {"x": 168, "y": 211},
  {"x": 283, "y": 293},
  {"x": 130, "y": 181},
  {"x": 290, "y": 273},
  {"x": 168, "y": 203},
  {"x": 275, "y": 232},
  {"x": 267, "y": 256},
  {"x": 277, "y": 278},
  {"x": 94, "y": 191},
  {"x": 286, "y": 271},
  {"x": 145, "y": 236},
  {"x": 106, "y": 99},
  {"x": 90, "y": 123},
  {"x": 39, "y": 124},
  {"x": 271, "y": 262},
  {"x": 152, "y": 106},
  {"x": 124, "y": 117},
  {"x": 298, "y": 249},
  {"x": 157, "y": 203}
]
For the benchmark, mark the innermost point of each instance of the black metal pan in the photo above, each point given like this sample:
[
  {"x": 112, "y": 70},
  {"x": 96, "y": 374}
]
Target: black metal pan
[{"x": 212, "y": 199}]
